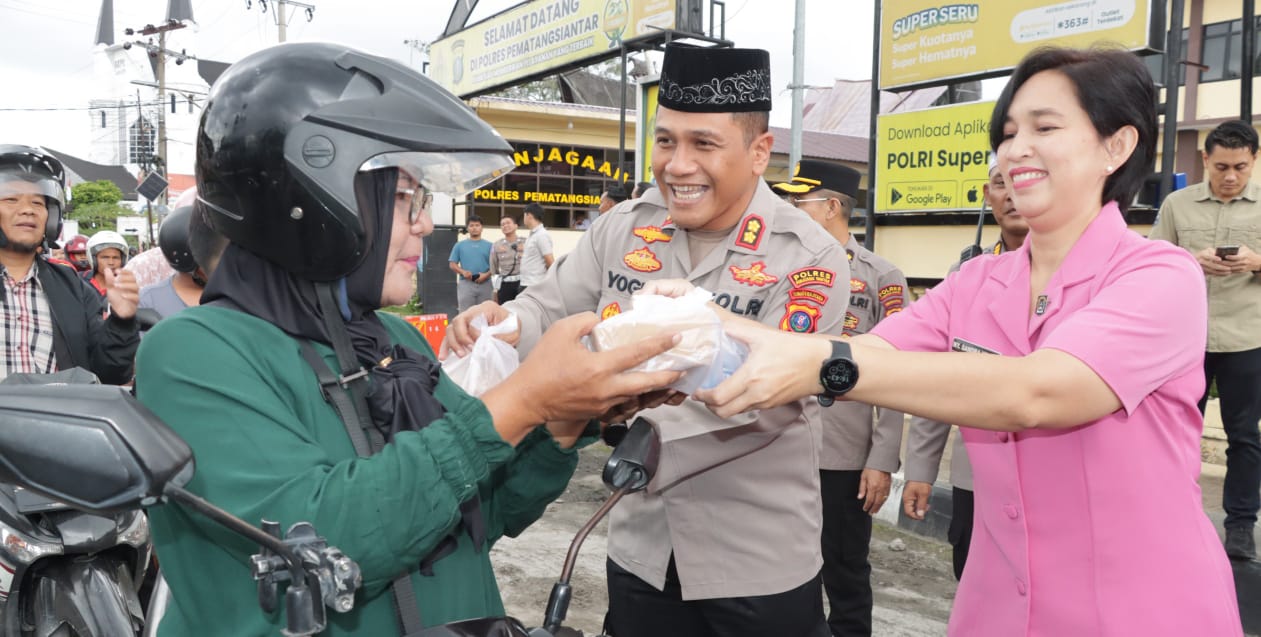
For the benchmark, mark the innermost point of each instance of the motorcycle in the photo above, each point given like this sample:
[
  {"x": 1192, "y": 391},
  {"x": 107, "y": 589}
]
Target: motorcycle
[
  {"x": 96, "y": 449},
  {"x": 65, "y": 571}
]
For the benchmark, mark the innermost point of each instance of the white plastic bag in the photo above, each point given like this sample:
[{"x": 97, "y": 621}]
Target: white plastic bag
[
  {"x": 706, "y": 353},
  {"x": 490, "y": 361}
]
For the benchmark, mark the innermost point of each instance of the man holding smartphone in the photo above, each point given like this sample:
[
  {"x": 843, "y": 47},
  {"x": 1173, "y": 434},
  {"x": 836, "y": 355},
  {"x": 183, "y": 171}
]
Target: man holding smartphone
[{"x": 1219, "y": 221}]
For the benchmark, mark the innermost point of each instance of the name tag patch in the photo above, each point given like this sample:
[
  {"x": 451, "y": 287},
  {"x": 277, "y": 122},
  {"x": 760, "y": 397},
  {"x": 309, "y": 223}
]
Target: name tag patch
[{"x": 960, "y": 345}]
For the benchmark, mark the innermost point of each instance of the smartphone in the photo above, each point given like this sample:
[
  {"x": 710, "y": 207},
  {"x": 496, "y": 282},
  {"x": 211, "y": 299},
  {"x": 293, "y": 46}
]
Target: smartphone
[{"x": 1225, "y": 251}]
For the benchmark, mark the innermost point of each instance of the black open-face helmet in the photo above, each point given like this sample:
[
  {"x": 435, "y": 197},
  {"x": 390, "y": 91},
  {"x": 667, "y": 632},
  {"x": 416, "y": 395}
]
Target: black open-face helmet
[
  {"x": 35, "y": 170},
  {"x": 287, "y": 129},
  {"x": 173, "y": 240}
]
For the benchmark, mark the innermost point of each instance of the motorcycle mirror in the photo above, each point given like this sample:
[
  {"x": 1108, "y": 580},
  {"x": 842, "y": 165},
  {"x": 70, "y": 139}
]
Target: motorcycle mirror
[
  {"x": 634, "y": 459},
  {"x": 94, "y": 447}
]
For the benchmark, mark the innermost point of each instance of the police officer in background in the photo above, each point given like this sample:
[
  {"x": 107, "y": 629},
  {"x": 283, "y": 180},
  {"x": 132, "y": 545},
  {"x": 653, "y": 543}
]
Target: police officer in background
[
  {"x": 725, "y": 541},
  {"x": 926, "y": 439},
  {"x": 505, "y": 260},
  {"x": 857, "y": 460}
]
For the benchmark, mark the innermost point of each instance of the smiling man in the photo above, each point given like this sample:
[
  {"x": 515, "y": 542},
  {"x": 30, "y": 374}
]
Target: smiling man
[
  {"x": 1216, "y": 221},
  {"x": 52, "y": 319},
  {"x": 725, "y": 541}
]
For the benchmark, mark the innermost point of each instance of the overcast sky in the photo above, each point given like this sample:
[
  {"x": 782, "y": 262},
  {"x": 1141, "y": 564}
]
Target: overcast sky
[{"x": 47, "y": 57}]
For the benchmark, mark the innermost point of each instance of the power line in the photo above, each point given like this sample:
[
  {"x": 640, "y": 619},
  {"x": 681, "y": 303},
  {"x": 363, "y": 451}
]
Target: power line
[
  {"x": 77, "y": 108},
  {"x": 57, "y": 17}
]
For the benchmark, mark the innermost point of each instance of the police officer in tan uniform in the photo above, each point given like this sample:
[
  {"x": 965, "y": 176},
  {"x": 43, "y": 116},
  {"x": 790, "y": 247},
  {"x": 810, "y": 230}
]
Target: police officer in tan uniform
[
  {"x": 926, "y": 439},
  {"x": 858, "y": 459},
  {"x": 725, "y": 540}
]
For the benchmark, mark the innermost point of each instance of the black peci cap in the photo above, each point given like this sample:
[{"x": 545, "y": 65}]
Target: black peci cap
[{"x": 715, "y": 80}]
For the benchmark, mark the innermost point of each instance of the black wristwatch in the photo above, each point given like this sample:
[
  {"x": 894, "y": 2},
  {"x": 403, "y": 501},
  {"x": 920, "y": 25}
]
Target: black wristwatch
[{"x": 838, "y": 374}]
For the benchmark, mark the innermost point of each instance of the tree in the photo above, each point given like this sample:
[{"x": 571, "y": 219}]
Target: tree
[
  {"x": 95, "y": 205},
  {"x": 94, "y": 192}
]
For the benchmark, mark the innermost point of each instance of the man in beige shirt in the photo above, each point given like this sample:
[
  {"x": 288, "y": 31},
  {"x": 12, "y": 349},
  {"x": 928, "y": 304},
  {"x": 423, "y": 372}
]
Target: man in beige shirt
[
  {"x": 858, "y": 458},
  {"x": 1219, "y": 221}
]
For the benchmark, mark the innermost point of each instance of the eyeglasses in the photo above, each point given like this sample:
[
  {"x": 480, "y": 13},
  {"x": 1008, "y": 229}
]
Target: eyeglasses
[
  {"x": 796, "y": 203},
  {"x": 416, "y": 203}
]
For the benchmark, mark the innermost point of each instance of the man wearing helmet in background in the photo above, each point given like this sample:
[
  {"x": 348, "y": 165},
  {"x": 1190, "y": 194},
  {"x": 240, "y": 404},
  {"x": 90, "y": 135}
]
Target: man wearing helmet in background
[
  {"x": 77, "y": 253},
  {"x": 322, "y": 187},
  {"x": 53, "y": 320},
  {"x": 182, "y": 289},
  {"x": 107, "y": 254}
]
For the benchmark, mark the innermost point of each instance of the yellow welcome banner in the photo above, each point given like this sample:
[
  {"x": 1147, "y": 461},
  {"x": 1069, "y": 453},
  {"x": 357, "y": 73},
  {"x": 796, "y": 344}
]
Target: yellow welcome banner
[
  {"x": 924, "y": 42},
  {"x": 535, "y": 37},
  {"x": 934, "y": 159}
]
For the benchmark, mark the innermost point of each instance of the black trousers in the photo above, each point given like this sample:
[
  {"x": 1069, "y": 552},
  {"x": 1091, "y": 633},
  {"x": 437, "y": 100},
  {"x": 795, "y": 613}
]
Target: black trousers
[
  {"x": 508, "y": 290},
  {"x": 1238, "y": 376},
  {"x": 846, "y": 542},
  {"x": 960, "y": 532},
  {"x": 636, "y": 609}
]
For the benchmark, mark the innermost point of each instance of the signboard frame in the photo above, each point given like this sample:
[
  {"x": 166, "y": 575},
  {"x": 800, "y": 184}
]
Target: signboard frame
[
  {"x": 646, "y": 110},
  {"x": 930, "y": 122},
  {"x": 1154, "y": 33},
  {"x": 447, "y": 57}
]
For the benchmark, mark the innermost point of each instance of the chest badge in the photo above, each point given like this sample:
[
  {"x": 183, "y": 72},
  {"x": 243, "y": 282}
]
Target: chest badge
[
  {"x": 642, "y": 260},
  {"x": 610, "y": 310},
  {"x": 813, "y": 296},
  {"x": 892, "y": 298},
  {"x": 652, "y": 234},
  {"x": 812, "y": 276},
  {"x": 800, "y": 317},
  {"x": 851, "y": 321},
  {"x": 857, "y": 286},
  {"x": 750, "y": 235},
  {"x": 754, "y": 275}
]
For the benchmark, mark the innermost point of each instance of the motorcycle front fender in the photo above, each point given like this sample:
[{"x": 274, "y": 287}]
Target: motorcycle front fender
[{"x": 94, "y": 596}]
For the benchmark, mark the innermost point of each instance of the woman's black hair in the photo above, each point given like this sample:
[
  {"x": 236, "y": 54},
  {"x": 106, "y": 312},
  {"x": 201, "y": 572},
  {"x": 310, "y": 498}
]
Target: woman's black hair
[{"x": 1115, "y": 89}]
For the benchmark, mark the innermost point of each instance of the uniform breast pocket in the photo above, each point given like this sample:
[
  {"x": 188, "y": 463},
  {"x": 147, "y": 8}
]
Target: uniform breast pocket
[
  {"x": 1247, "y": 234},
  {"x": 1196, "y": 239}
]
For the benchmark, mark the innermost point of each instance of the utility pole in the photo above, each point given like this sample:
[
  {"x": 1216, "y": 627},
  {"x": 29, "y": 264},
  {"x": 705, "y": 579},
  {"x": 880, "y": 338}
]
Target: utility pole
[
  {"x": 282, "y": 16},
  {"x": 159, "y": 52},
  {"x": 799, "y": 61}
]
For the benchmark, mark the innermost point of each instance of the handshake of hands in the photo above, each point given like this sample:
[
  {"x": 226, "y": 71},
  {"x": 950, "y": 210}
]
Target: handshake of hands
[{"x": 564, "y": 384}]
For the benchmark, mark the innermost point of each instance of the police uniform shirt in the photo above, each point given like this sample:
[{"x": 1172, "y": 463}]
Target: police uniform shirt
[
  {"x": 851, "y": 441},
  {"x": 736, "y": 501},
  {"x": 505, "y": 258}
]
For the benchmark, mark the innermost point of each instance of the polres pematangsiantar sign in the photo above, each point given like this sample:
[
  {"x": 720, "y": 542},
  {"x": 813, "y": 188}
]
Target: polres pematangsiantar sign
[
  {"x": 927, "y": 42},
  {"x": 539, "y": 36}
]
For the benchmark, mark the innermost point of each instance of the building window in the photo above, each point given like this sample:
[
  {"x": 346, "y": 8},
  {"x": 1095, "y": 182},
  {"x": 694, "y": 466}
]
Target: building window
[
  {"x": 141, "y": 142},
  {"x": 1223, "y": 46}
]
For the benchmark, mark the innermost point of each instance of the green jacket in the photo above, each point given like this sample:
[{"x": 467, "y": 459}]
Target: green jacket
[{"x": 268, "y": 446}]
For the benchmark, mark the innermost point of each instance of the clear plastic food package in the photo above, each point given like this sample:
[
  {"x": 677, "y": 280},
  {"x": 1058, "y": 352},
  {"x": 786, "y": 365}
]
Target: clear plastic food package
[{"x": 706, "y": 353}]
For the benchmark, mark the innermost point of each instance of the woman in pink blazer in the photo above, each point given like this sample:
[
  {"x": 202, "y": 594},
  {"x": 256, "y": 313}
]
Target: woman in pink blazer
[{"x": 1074, "y": 365}]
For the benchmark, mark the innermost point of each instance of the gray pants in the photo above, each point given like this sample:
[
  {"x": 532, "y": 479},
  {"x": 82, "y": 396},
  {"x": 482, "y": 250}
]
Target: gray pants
[{"x": 468, "y": 293}]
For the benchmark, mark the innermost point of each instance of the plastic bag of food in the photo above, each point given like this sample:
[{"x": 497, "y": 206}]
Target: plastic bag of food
[
  {"x": 489, "y": 362},
  {"x": 705, "y": 353}
]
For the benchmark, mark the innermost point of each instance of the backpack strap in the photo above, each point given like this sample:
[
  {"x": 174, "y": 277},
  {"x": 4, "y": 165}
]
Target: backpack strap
[{"x": 345, "y": 394}]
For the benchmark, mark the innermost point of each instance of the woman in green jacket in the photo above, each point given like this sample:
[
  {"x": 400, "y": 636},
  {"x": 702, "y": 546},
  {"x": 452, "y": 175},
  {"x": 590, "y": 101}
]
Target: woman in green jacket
[{"x": 317, "y": 163}]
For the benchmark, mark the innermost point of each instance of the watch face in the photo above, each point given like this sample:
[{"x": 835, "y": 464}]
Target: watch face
[{"x": 839, "y": 376}]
